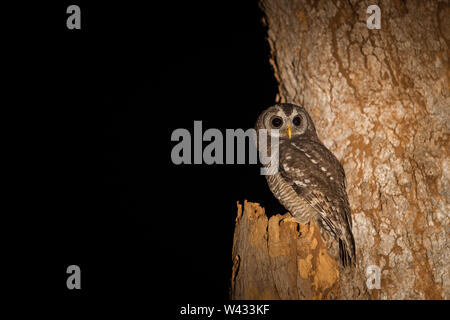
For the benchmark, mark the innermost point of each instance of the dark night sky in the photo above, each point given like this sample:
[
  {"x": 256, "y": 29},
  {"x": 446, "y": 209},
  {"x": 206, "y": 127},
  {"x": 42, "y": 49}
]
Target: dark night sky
[{"x": 111, "y": 199}]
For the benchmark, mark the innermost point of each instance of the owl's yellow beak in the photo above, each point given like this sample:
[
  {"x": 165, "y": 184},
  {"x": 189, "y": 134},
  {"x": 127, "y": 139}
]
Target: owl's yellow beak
[{"x": 288, "y": 131}]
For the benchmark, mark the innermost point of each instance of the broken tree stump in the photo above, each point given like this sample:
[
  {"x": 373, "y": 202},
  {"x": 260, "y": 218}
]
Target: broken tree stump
[{"x": 275, "y": 259}]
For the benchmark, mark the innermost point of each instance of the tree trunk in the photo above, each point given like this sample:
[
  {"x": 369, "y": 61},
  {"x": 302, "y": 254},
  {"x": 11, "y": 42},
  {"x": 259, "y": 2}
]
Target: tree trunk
[{"x": 380, "y": 100}]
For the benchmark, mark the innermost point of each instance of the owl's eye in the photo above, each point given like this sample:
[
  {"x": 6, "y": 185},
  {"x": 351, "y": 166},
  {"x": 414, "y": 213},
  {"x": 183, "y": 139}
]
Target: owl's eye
[
  {"x": 276, "y": 122},
  {"x": 296, "y": 121}
]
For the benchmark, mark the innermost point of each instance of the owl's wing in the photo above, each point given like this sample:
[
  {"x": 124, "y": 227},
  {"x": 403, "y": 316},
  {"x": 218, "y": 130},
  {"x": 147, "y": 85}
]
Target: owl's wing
[
  {"x": 318, "y": 177},
  {"x": 318, "y": 155}
]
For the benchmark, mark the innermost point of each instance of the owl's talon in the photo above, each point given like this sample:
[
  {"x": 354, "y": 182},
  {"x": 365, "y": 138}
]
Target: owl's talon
[{"x": 288, "y": 219}]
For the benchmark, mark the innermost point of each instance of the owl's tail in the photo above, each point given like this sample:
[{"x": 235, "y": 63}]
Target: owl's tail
[{"x": 347, "y": 252}]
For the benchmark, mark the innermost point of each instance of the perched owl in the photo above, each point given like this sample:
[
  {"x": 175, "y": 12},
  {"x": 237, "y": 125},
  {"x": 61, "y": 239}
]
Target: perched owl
[{"x": 310, "y": 182}]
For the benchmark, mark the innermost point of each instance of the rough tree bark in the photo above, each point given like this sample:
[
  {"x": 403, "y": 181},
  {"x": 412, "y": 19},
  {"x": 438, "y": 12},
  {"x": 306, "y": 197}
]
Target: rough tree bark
[{"x": 380, "y": 100}]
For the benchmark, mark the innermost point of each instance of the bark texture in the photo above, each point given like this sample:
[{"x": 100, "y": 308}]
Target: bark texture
[{"x": 380, "y": 100}]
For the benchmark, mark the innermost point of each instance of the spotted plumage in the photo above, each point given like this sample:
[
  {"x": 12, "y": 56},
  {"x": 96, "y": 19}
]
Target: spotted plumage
[{"x": 310, "y": 182}]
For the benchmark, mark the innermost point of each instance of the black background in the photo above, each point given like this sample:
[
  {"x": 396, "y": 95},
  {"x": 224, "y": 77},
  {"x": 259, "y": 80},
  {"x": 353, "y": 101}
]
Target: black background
[
  {"x": 93, "y": 184},
  {"x": 106, "y": 194}
]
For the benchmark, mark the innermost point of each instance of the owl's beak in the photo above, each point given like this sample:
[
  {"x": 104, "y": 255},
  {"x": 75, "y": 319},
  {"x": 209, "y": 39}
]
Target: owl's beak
[{"x": 288, "y": 131}]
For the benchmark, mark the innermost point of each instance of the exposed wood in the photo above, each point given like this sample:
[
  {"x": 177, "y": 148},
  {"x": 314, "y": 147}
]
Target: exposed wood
[{"x": 279, "y": 259}]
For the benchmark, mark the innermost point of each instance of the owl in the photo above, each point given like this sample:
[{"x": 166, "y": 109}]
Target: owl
[{"x": 310, "y": 181}]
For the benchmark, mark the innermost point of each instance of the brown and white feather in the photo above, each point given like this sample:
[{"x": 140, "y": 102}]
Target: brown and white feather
[{"x": 310, "y": 182}]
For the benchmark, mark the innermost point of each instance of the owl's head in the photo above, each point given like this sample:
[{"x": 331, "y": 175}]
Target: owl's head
[{"x": 290, "y": 120}]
